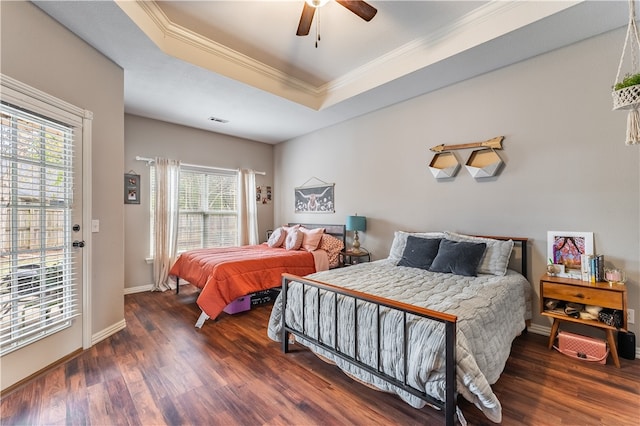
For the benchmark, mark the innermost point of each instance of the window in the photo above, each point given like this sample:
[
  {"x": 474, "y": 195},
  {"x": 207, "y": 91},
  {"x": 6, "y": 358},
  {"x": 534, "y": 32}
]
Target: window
[
  {"x": 208, "y": 208},
  {"x": 37, "y": 290}
]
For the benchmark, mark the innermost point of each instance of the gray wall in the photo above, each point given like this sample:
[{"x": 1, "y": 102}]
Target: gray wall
[
  {"x": 151, "y": 138},
  {"x": 566, "y": 165},
  {"x": 41, "y": 53}
]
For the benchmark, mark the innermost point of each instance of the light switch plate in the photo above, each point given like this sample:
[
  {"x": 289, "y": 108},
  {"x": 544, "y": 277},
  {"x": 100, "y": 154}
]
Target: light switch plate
[{"x": 95, "y": 225}]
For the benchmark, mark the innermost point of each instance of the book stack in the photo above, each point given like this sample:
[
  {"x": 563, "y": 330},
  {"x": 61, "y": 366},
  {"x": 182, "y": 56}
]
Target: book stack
[{"x": 592, "y": 267}]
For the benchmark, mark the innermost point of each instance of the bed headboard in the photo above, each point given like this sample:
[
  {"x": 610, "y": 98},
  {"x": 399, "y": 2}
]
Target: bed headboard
[{"x": 338, "y": 231}]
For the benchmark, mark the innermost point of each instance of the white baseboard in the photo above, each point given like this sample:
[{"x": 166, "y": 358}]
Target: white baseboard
[
  {"x": 103, "y": 334},
  {"x": 539, "y": 329},
  {"x": 138, "y": 289},
  {"x": 148, "y": 287}
]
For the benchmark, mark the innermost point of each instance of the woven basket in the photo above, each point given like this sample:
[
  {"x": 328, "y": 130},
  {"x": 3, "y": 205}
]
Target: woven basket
[{"x": 627, "y": 97}]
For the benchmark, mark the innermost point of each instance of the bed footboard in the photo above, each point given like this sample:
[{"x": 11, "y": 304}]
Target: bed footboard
[{"x": 449, "y": 321}]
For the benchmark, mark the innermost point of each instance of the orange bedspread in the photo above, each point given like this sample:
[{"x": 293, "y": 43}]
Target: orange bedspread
[{"x": 224, "y": 274}]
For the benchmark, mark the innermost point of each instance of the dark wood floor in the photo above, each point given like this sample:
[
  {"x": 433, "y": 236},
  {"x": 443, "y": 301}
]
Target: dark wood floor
[{"x": 162, "y": 370}]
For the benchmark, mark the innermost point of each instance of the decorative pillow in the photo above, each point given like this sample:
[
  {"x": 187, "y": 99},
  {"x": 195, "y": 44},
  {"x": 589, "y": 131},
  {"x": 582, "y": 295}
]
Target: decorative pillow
[
  {"x": 277, "y": 238},
  {"x": 458, "y": 257},
  {"x": 311, "y": 238},
  {"x": 419, "y": 252},
  {"x": 400, "y": 241},
  {"x": 333, "y": 246},
  {"x": 290, "y": 228},
  {"x": 294, "y": 239},
  {"x": 496, "y": 256}
]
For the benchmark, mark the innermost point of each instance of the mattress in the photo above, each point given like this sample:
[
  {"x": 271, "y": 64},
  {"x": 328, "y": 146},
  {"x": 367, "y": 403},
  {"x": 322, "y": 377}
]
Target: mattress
[{"x": 224, "y": 274}]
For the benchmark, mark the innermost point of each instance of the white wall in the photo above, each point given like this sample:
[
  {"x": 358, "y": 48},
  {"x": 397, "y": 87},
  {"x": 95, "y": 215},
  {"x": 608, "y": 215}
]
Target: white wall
[
  {"x": 151, "y": 138},
  {"x": 566, "y": 165},
  {"x": 38, "y": 51}
]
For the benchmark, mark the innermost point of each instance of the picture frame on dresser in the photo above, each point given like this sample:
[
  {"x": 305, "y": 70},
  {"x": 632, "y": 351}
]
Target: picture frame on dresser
[{"x": 566, "y": 248}]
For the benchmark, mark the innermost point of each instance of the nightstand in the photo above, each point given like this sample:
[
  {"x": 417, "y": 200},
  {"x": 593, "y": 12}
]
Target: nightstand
[
  {"x": 348, "y": 257},
  {"x": 603, "y": 294}
]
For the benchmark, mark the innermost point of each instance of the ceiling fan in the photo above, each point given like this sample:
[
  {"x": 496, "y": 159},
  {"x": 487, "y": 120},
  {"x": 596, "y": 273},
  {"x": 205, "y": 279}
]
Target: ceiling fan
[{"x": 360, "y": 8}]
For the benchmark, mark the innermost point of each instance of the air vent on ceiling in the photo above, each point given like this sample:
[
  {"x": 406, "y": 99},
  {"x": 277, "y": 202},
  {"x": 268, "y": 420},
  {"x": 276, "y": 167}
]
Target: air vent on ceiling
[{"x": 218, "y": 120}]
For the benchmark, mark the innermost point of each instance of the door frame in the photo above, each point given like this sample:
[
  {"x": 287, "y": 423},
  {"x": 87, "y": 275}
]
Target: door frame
[{"x": 26, "y": 96}]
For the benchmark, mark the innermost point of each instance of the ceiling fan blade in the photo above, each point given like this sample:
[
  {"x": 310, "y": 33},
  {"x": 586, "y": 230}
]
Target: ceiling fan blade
[
  {"x": 305, "y": 20},
  {"x": 360, "y": 8}
]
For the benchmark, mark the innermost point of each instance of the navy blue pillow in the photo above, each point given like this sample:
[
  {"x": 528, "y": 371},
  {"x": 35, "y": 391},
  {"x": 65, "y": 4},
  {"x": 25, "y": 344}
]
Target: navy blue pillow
[
  {"x": 419, "y": 252},
  {"x": 458, "y": 257}
]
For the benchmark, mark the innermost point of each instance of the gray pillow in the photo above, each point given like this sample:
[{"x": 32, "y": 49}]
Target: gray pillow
[
  {"x": 400, "y": 241},
  {"x": 419, "y": 252},
  {"x": 458, "y": 257},
  {"x": 496, "y": 256}
]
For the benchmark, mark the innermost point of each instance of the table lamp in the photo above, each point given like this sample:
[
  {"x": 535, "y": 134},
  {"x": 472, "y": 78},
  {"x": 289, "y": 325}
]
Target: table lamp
[{"x": 356, "y": 223}]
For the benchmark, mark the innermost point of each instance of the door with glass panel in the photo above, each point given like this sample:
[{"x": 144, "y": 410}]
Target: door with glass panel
[{"x": 40, "y": 236}]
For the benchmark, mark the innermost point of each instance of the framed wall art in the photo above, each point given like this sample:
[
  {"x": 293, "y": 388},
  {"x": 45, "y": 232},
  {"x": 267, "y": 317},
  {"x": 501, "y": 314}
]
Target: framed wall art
[
  {"x": 567, "y": 248},
  {"x": 264, "y": 194},
  {"x": 315, "y": 199},
  {"x": 131, "y": 188}
]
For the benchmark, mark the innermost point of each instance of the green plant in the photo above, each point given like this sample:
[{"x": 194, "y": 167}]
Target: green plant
[{"x": 628, "y": 80}]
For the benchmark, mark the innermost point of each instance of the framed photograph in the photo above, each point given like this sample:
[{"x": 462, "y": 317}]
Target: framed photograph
[
  {"x": 567, "y": 248},
  {"x": 131, "y": 188},
  {"x": 263, "y": 194},
  {"x": 269, "y": 196},
  {"x": 315, "y": 199}
]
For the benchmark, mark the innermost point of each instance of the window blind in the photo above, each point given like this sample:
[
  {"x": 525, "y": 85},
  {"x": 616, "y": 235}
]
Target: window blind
[
  {"x": 38, "y": 294},
  {"x": 208, "y": 208}
]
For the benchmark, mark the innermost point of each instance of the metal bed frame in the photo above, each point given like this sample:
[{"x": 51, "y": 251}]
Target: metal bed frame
[{"x": 449, "y": 406}]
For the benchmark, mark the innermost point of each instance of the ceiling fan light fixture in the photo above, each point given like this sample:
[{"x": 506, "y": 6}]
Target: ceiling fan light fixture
[{"x": 316, "y": 3}]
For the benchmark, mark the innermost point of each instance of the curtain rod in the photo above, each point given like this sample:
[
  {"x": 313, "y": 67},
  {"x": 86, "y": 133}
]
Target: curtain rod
[{"x": 151, "y": 161}]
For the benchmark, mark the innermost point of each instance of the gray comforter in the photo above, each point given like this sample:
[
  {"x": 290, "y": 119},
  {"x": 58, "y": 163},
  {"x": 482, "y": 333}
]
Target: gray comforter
[{"x": 491, "y": 312}]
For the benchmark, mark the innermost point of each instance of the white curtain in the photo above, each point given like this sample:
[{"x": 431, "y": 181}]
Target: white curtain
[
  {"x": 247, "y": 208},
  {"x": 165, "y": 219}
]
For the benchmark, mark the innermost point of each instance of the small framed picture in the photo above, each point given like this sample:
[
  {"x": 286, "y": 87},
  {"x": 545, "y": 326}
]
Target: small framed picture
[
  {"x": 567, "y": 248},
  {"x": 131, "y": 188}
]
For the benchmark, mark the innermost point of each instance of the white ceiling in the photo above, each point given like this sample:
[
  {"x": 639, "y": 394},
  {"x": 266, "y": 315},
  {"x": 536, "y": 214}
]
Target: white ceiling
[{"x": 186, "y": 61}]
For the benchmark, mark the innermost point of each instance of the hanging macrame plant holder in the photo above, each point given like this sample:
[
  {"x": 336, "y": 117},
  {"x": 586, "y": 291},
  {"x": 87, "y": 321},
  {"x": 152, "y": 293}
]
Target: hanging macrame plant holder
[{"x": 628, "y": 97}]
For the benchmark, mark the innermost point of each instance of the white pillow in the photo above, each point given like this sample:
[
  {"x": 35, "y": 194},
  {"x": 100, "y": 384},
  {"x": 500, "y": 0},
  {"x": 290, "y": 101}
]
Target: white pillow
[
  {"x": 277, "y": 238},
  {"x": 496, "y": 257},
  {"x": 400, "y": 241},
  {"x": 294, "y": 239}
]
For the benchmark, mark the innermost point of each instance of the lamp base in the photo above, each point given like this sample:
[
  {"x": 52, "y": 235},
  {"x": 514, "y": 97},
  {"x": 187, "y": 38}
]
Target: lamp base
[{"x": 355, "y": 247}]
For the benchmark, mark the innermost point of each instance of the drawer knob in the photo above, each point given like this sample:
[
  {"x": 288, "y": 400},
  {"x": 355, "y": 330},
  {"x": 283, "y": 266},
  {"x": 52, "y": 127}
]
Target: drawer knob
[{"x": 580, "y": 296}]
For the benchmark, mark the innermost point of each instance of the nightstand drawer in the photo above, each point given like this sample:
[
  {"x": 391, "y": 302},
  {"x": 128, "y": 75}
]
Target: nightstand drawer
[{"x": 584, "y": 295}]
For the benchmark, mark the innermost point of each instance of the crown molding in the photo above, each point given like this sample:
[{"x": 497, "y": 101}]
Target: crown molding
[
  {"x": 487, "y": 22},
  {"x": 183, "y": 43}
]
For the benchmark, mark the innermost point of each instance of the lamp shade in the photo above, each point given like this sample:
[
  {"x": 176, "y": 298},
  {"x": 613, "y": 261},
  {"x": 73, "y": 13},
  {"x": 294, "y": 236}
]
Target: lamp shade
[{"x": 356, "y": 223}]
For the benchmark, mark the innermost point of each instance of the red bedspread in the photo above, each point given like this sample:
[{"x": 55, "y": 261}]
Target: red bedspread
[{"x": 224, "y": 274}]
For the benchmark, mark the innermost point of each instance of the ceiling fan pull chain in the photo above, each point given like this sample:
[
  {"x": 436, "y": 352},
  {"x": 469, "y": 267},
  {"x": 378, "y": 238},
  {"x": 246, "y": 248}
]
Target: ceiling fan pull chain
[{"x": 318, "y": 28}]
